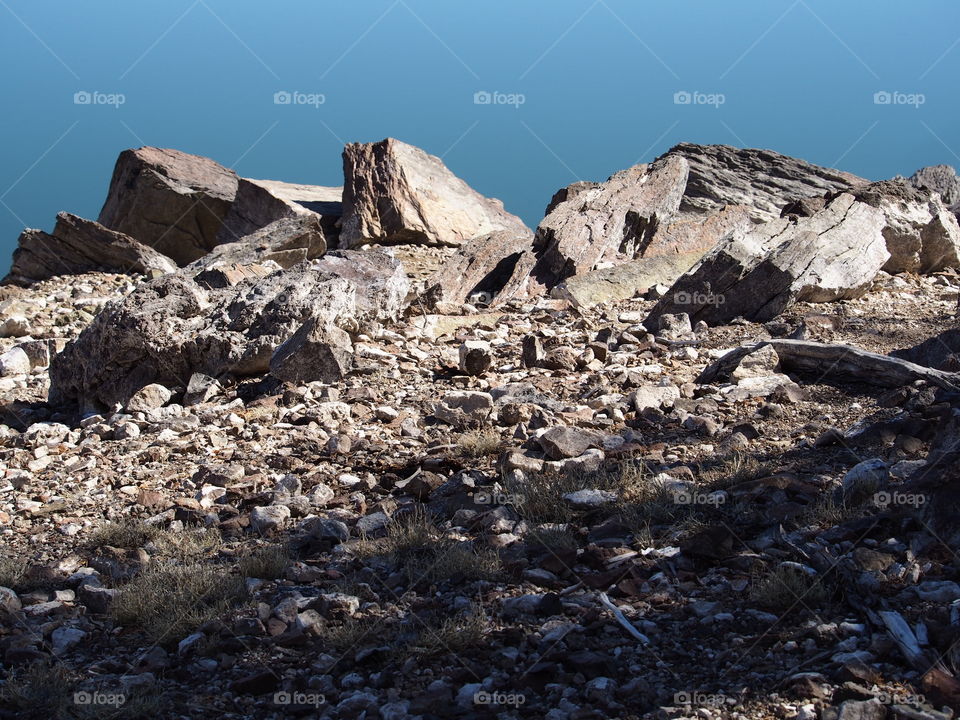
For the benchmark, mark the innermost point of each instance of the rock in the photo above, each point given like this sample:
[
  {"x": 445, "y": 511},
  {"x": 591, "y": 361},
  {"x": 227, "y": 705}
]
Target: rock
[
  {"x": 259, "y": 203},
  {"x": 266, "y": 518},
  {"x": 396, "y": 193},
  {"x": 149, "y": 397},
  {"x": 866, "y": 477},
  {"x": 695, "y": 235},
  {"x": 674, "y": 327},
  {"x": 566, "y": 442},
  {"x": 328, "y": 529},
  {"x": 862, "y": 710},
  {"x": 942, "y": 351},
  {"x": 833, "y": 255},
  {"x": 14, "y": 362},
  {"x": 463, "y": 408},
  {"x": 589, "y": 499},
  {"x": 79, "y": 246},
  {"x": 475, "y": 357},
  {"x": 170, "y": 200},
  {"x": 380, "y": 283},
  {"x": 488, "y": 270},
  {"x": 97, "y": 599},
  {"x": 618, "y": 217},
  {"x": 64, "y": 639},
  {"x": 763, "y": 362},
  {"x": 200, "y": 389},
  {"x": 318, "y": 351},
  {"x": 624, "y": 281},
  {"x": 9, "y": 602},
  {"x": 761, "y": 180},
  {"x": 941, "y": 179},
  {"x": 170, "y": 328},
  {"x": 286, "y": 242},
  {"x": 654, "y": 396},
  {"x": 14, "y": 326},
  {"x": 922, "y": 235}
]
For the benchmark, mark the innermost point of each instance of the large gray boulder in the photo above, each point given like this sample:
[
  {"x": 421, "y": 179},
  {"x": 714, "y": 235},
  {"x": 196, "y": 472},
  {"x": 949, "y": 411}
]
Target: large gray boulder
[
  {"x": 170, "y": 328},
  {"x": 587, "y": 221},
  {"x": 170, "y": 200},
  {"x": 287, "y": 242},
  {"x": 397, "y": 193},
  {"x": 761, "y": 180},
  {"x": 78, "y": 246},
  {"x": 940, "y": 179},
  {"x": 833, "y": 255},
  {"x": 259, "y": 203}
]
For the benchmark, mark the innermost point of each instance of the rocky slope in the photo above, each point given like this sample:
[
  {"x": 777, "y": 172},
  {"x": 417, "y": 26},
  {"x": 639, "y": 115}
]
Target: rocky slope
[{"x": 421, "y": 481}]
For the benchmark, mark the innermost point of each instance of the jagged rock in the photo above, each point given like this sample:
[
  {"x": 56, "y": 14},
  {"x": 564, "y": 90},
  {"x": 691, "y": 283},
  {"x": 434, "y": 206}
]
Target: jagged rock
[
  {"x": 379, "y": 279},
  {"x": 696, "y": 235},
  {"x": 317, "y": 351},
  {"x": 566, "y": 442},
  {"x": 286, "y": 242},
  {"x": 149, "y": 397},
  {"x": 170, "y": 200},
  {"x": 833, "y": 255},
  {"x": 260, "y": 203},
  {"x": 940, "y": 179},
  {"x": 14, "y": 362},
  {"x": 654, "y": 397},
  {"x": 622, "y": 282},
  {"x": 761, "y": 180},
  {"x": 268, "y": 517},
  {"x": 487, "y": 270},
  {"x": 397, "y": 193},
  {"x": 619, "y": 216},
  {"x": 922, "y": 235},
  {"x": 170, "y": 328},
  {"x": 474, "y": 357},
  {"x": 463, "y": 407},
  {"x": 78, "y": 246}
]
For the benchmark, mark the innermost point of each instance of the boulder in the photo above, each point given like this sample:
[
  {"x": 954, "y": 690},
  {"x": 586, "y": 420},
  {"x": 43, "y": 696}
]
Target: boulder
[
  {"x": 834, "y": 255},
  {"x": 922, "y": 235},
  {"x": 318, "y": 351},
  {"x": 618, "y": 217},
  {"x": 941, "y": 179},
  {"x": 287, "y": 241},
  {"x": 761, "y": 180},
  {"x": 380, "y": 281},
  {"x": 396, "y": 193},
  {"x": 170, "y": 200},
  {"x": 169, "y": 329},
  {"x": 689, "y": 235},
  {"x": 259, "y": 203},
  {"x": 78, "y": 246},
  {"x": 559, "y": 443},
  {"x": 488, "y": 270}
]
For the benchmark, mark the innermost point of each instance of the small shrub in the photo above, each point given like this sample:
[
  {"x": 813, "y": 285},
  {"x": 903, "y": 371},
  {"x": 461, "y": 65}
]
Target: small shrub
[
  {"x": 783, "y": 588},
  {"x": 480, "y": 443},
  {"x": 126, "y": 534},
  {"x": 267, "y": 563}
]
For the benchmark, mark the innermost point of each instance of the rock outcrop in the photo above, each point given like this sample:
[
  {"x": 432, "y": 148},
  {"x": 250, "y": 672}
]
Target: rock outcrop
[
  {"x": 171, "y": 328},
  {"x": 835, "y": 254},
  {"x": 761, "y": 180},
  {"x": 286, "y": 242},
  {"x": 170, "y": 200},
  {"x": 397, "y": 193},
  {"x": 940, "y": 179},
  {"x": 589, "y": 221},
  {"x": 78, "y": 246},
  {"x": 260, "y": 203}
]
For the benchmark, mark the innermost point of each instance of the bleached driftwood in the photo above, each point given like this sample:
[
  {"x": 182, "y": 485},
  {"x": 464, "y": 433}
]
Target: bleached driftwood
[{"x": 622, "y": 619}]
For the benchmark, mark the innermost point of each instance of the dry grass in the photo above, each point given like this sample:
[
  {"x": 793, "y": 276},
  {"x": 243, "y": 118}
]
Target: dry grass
[
  {"x": 451, "y": 635},
  {"x": 268, "y": 562},
  {"x": 12, "y": 572},
  {"x": 480, "y": 443},
  {"x": 126, "y": 534},
  {"x": 783, "y": 588}
]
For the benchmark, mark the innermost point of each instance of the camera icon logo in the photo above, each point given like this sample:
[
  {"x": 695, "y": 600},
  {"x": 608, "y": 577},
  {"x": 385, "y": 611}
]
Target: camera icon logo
[
  {"x": 882, "y": 98},
  {"x": 282, "y": 97},
  {"x": 482, "y": 97},
  {"x": 682, "y": 97},
  {"x": 82, "y": 98}
]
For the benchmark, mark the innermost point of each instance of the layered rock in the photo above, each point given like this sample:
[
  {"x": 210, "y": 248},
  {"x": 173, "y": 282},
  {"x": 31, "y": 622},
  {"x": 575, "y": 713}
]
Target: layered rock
[
  {"x": 832, "y": 255},
  {"x": 78, "y": 246},
  {"x": 397, "y": 193},
  {"x": 260, "y": 203},
  {"x": 490, "y": 270},
  {"x": 621, "y": 216},
  {"x": 941, "y": 179},
  {"x": 171, "y": 328},
  {"x": 761, "y": 180},
  {"x": 170, "y": 200},
  {"x": 286, "y": 242}
]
